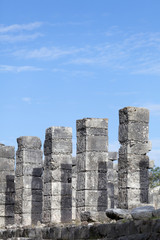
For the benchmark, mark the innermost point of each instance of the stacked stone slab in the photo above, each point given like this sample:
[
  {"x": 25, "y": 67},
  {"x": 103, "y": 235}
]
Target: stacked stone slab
[
  {"x": 133, "y": 162},
  {"x": 7, "y": 188},
  {"x": 111, "y": 179},
  {"x": 28, "y": 199},
  {"x": 74, "y": 187},
  {"x": 57, "y": 175},
  {"x": 92, "y": 158}
]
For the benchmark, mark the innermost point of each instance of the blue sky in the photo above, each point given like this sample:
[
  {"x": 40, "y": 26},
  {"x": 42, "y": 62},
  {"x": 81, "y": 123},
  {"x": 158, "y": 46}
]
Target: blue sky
[{"x": 65, "y": 60}]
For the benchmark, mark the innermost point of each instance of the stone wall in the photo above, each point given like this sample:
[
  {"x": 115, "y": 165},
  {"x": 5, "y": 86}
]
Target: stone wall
[{"x": 129, "y": 230}]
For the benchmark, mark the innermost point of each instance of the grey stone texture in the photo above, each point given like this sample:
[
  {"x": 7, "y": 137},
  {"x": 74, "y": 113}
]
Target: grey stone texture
[
  {"x": 7, "y": 187},
  {"x": 118, "y": 214},
  {"x": 57, "y": 175},
  {"x": 92, "y": 160},
  {"x": 127, "y": 230},
  {"x": 112, "y": 180},
  {"x": 74, "y": 187},
  {"x": 145, "y": 212},
  {"x": 28, "y": 181},
  {"x": 133, "y": 163}
]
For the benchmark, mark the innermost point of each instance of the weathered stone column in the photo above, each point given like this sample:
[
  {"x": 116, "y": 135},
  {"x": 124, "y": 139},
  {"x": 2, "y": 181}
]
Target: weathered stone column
[
  {"x": 133, "y": 162},
  {"x": 92, "y": 157},
  {"x": 58, "y": 175},
  {"x": 74, "y": 187},
  {"x": 7, "y": 188},
  {"x": 28, "y": 200},
  {"x": 111, "y": 180}
]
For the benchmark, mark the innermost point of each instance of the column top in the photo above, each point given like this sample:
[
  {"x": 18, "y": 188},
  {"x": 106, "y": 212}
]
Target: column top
[
  {"x": 134, "y": 114},
  {"x": 92, "y": 123},
  {"x": 59, "y": 132},
  {"x": 29, "y": 142},
  {"x": 7, "y": 151}
]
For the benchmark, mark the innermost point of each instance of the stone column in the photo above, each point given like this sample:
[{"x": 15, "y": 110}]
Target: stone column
[
  {"x": 28, "y": 200},
  {"x": 74, "y": 187},
  {"x": 7, "y": 188},
  {"x": 133, "y": 162},
  {"x": 58, "y": 175},
  {"x": 111, "y": 180},
  {"x": 92, "y": 157}
]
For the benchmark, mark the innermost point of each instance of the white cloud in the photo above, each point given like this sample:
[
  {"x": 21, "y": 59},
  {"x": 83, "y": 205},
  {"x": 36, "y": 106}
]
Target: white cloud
[
  {"x": 20, "y": 27},
  {"x": 20, "y": 37},
  {"x": 27, "y": 100},
  {"x": 46, "y": 53},
  {"x": 18, "y": 69}
]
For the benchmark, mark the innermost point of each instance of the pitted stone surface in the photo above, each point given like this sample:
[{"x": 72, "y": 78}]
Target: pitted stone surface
[
  {"x": 118, "y": 213},
  {"x": 92, "y": 159},
  {"x": 29, "y": 142},
  {"x": 133, "y": 164},
  {"x": 142, "y": 212}
]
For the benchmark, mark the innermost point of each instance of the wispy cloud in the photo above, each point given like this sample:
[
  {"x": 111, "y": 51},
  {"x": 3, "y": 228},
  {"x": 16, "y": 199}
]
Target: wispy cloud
[
  {"x": 20, "y": 27},
  {"x": 46, "y": 53},
  {"x": 18, "y": 69},
  {"x": 26, "y": 100},
  {"x": 20, "y": 37}
]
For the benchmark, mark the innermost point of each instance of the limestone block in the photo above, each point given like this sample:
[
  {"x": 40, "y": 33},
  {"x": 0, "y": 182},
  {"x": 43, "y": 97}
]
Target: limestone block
[
  {"x": 133, "y": 147},
  {"x": 133, "y": 179},
  {"x": 29, "y": 182},
  {"x": 6, "y": 164},
  {"x": 92, "y": 143},
  {"x": 6, "y": 187},
  {"x": 2, "y": 221},
  {"x": 7, "y": 198},
  {"x": 109, "y": 164},
  {"x": 133, "y": 114},
  {"x": 92, "y": 131},
  {"x": 57, "y": 188},
  {"x": 110, "y": 175},
  {"x": 112, "y": 156},
  {"x": 29, "y": 142},
  {"x": 62, "y": 161},
  {"x": 26, "y": 219},
  {"x": 133, "y": 131},
  {"x": 7, "y": 152},
  {"x": 110, "y": 189},
  {"x": 29, "y": 156},
  {"x": 29, "y": 194},
  {"x": 56, "y": 215},
  {"x": 92, "y": 123},
  {"x": 7, "y": 210},
  {"x": 58, "y": 132},
  {"x": 91, "y": 180},
  {"x": 133, "y": 162},
  {"x": 28, "y": 170},
  {"x": 7, "y": 176},
  {"x": 57, "y": 175},
  {"x": 92, "y": 198},
  {"x": 57, "y": 146}
]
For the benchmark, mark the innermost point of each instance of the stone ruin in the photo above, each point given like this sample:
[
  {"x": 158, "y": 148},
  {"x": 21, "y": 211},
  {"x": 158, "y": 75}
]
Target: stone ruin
[{"x": 64, "y": 189}]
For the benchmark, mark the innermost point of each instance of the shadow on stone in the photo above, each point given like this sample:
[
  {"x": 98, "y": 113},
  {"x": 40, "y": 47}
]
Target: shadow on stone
[
  {"x": 66, "y": 193},
  {"x": 102, "y": 201},
  {"x": 144, "y": 182},
  {"x": 9, "y": 200},
  {"x": 36, "y": 210}
]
